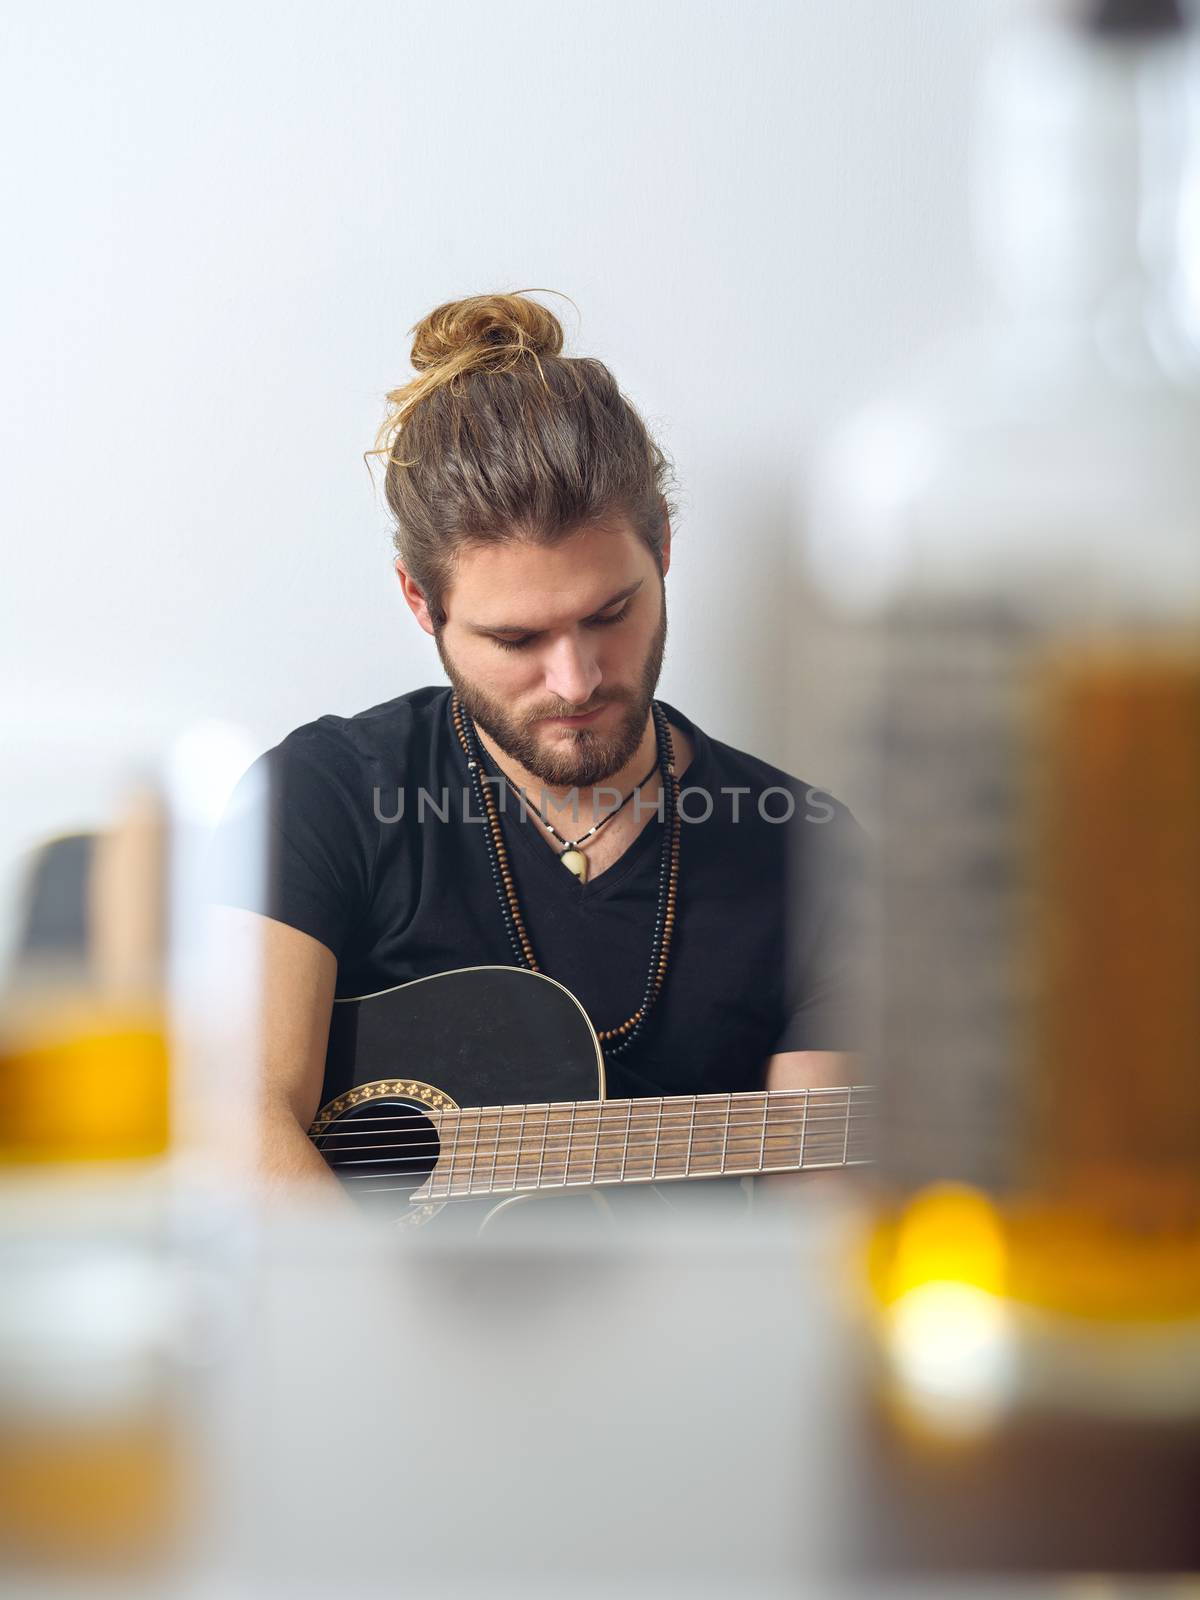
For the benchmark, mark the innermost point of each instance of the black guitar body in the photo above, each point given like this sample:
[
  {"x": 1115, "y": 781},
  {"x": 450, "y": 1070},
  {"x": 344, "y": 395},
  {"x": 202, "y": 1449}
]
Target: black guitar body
[
  {"x": 479, "y": 1036},
  {"x": 488, "y": 1036}
]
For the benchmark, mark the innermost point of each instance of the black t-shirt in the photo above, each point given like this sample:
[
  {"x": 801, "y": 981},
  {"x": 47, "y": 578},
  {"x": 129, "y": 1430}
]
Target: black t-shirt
[{"x": 397, "y": 884}]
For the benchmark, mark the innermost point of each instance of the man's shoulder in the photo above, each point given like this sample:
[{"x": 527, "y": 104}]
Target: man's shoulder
[
  {"x": 386, "y": 731},
  {"x": 726, "y": 767}
]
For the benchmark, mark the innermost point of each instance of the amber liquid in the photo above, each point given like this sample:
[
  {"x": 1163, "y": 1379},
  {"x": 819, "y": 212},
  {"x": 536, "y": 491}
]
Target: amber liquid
[
  {"x": 83, "y": 1099},
  {"x": 1108, "y": 1224},
  {"x": 89, "y": 1495},
  {"x": 1063, "y": 1254},
  {"x": 82, "y": 1080},
  {"x": 1090, "y": 1119}
]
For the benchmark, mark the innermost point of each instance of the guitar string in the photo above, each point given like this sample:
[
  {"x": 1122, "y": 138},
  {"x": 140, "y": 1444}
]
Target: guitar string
[
  {"x": 370, "y": 1183},
  {"x": 557, "y": 1156},
  {"x": 556, "y": 1139},
  {"x": 597, "y": 1183},
  {"x": 567, "y": 1154},
  {"x": 752, "y": 1101},
  {"x": 500, "y": 1117},
  {"x": 503, "y": 1161},
  {"x": 504, "y": 1183},
  {"x": 562, "y": 1152},
  {"x": 584, "y": 1133},
  {"x": 579, "y": 1173},
  {"x": 512, "y": 1113}
]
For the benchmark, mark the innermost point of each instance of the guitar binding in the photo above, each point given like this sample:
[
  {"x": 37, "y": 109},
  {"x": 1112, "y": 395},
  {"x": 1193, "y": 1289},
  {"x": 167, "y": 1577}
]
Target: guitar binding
[{"x": 413, "y": 1095}]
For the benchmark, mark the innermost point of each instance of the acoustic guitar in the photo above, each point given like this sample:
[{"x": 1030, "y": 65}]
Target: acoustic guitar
[{"x": 509, "y": 1099}]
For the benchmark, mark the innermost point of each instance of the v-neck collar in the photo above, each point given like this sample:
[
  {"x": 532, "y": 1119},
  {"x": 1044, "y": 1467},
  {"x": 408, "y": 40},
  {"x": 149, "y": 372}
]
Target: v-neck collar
[{"x": 542, "y": 855}]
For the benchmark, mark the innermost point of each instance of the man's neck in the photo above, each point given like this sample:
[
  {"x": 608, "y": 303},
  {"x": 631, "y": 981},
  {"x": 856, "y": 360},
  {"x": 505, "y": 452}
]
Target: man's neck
[{"x": 578, "y": 806}]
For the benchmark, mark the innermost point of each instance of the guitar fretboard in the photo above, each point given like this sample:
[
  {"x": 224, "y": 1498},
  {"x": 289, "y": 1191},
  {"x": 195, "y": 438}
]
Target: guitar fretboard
[{"x": 507, "y": 1149}]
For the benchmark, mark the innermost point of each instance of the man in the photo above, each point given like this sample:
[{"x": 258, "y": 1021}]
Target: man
[{"x": 385, "y": 866}]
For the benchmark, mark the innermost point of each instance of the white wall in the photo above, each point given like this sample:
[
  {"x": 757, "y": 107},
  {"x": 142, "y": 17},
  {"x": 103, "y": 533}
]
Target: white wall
[{"x": 222, "y": 219}]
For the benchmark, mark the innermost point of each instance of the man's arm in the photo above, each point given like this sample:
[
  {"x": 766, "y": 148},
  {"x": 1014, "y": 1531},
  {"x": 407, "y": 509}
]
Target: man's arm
[
  {"x": 810, "y": 1069},
  {"x": 297, "y": 975}
]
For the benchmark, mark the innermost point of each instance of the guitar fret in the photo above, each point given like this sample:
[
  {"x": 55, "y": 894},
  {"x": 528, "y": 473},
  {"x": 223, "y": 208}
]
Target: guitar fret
[
  {"x": 520, "y": 1150},
  {"x": 491, "y": 1183},
  {"x": 430, "y": 1181},
  {"x": 762, "y": 1143},
  {"x": 458, "y": 1117},
  {"x": 657, "y": 1138},
  {"x": 542, "y": 1152},
  {"x": 803, "y": 1128},
  {"x": 700, "y": 1152},
  {"x": 474, "y": 1151},
  {"x": 687, "y": 1159},
  {"x": 725, "y": 1140},
  {"x": 846, "y": 1140},
  {"x": 625, "y": 1142}
]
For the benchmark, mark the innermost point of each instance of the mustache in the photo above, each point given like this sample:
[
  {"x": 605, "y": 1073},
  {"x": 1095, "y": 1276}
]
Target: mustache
[{"x": 562, "y": 708}]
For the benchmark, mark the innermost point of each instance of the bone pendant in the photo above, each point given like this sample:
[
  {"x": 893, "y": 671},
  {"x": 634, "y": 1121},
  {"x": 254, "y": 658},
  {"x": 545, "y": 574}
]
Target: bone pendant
[{"x": 575, "y": 861}]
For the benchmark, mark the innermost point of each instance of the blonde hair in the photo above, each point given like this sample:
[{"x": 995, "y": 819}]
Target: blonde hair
[{"x": 502, "y": 437}]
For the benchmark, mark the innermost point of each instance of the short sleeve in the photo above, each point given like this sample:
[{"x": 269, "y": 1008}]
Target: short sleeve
[
  {"x": 824, "y": 990},
  {"x": 297, "y": 841}
]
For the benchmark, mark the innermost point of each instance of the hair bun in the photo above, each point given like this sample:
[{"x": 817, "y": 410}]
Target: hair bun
[{"x": 494, "y": 329}]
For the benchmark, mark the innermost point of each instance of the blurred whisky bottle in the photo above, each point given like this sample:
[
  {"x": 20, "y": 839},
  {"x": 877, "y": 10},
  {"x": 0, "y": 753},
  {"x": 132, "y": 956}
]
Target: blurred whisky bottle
[
  {"x": 90, "y": 1457},
  {"x": 1008, "y": 559},
  {"x": 83, "y": 1049}
]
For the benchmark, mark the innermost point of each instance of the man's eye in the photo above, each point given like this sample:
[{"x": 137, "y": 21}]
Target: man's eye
[
  {"x": 617, "y": 616},
  {"x": 596, "y": 622}
]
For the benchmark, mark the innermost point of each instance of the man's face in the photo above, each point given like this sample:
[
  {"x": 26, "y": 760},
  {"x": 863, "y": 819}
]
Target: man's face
[{"x": 556, "y": 650}]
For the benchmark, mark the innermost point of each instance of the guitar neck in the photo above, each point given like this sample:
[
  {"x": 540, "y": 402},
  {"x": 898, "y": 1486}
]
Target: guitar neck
[{"x": 507, "y": 1149}]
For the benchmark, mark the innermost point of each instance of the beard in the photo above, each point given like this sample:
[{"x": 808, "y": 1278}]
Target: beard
[{"x": 588, "y": 757}]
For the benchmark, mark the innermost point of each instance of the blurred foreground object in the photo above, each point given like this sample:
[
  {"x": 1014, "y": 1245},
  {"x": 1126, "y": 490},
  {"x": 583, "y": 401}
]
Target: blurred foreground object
[
  {"x": 83, "y": 1027},
  {"x": 88, "y": 1458},
  {"x": 127, "y": 1053},
  {"x": 563, "y": 1407},
  {"x": 1009, "y": 559}
]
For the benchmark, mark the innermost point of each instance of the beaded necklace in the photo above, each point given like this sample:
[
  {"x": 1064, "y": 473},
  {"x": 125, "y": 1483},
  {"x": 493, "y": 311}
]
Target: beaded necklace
[{"x": 621, "y": 1037}]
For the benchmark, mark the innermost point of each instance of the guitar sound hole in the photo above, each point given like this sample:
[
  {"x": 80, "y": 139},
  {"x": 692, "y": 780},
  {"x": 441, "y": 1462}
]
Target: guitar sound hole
[{"x": 385, "y": 1147}]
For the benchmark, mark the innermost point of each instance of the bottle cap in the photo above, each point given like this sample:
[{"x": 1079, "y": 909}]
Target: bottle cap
[{"x": 1123, "y": 17}]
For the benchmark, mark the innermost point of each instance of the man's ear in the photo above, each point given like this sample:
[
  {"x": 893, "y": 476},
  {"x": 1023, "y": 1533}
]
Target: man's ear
[
  {"x": 413, "y": 597},
  {"x": 665, "y": 560}
]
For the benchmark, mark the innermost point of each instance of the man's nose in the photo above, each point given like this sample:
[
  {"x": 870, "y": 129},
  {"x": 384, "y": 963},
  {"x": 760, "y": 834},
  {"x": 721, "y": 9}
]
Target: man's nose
[{"x": 572, "y": 671}]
